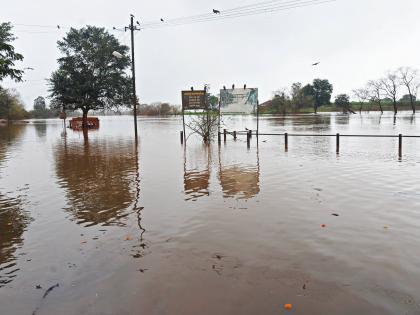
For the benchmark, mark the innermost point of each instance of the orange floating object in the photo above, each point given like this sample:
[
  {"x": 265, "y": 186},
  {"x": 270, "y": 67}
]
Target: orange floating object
[
  {"x": 288, "y": 306},
  {"x": 323, "y": 225}
]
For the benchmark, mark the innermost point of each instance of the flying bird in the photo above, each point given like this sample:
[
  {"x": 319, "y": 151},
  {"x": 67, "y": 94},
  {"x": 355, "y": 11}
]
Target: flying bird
[
  {"x": 216, "y": 11},
  {"x": 162, "y": 20},
  {"x": 138, "y": 23},
  {"x": 58, "y": 26},
  {"x": 316, "y": 63}
]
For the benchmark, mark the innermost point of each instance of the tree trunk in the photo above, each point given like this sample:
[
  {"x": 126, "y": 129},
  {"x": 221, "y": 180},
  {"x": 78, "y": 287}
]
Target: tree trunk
[
  {"x": 413, "y": 105},
  {"x": 380, "y": 107},
  {"x": 395, "y": 107},
  {"x": 84, "y": 120}
]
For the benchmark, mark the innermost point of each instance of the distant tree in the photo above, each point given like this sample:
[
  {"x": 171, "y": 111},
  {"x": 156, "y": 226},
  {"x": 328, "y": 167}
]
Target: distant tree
[
  {"x": 280, "y": 102},
  {"x": 39, "y": 104},
  {"x": 11, "y": 107},
  {"x": 300, "y": 98},
  {"x": 8, "y": 56},
  {"x": 343, "y": 101},
  {"x": 409, "y": 77},
  {"x": 407, "y": 98},
  {"x": 390, "y": 86},
  {"x": 213, "y": 101},
  {"x": 363, "y": 95},
  {"x": 375, "y": 90},
  {"x": 89, "y": 77},
  {"x": 321, "y": 91},
  {"x": 165, "y": 109}
]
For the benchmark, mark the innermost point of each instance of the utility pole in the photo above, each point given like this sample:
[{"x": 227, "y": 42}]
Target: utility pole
[{"x": 133, "y": 28}]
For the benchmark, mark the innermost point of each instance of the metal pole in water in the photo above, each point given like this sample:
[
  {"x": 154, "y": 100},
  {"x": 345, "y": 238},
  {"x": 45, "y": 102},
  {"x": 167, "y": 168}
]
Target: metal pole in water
[
  {"x": 248, "y": 139},
  {"x": 337, "y": 143},
  {"x": 234, "y": 135},
  {"x": 286, "y": 141},
  {"x": 224, "y": 135},
  {"x": 400, "y": 145},
  {"x": 181, "y": 133}
]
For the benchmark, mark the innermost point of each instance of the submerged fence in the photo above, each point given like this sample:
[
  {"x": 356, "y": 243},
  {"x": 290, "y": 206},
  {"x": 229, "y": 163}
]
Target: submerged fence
[{"x": 250, "y": 133}]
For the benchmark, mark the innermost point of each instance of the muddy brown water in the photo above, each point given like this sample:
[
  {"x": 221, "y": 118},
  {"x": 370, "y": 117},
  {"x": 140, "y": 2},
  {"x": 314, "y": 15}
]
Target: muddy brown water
[{"x": 165, "y": 229}]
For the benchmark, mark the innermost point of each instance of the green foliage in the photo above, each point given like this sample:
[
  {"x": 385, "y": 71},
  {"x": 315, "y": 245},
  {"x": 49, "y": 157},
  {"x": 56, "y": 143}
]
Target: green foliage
[
  {"x": 89, "y": 77},
  {"x": 11, "y": 107},
  {"x": 8, "y": 56},
  {"x": 342, "y": 101},
  {"x": 322, "y": 90},
  {"x": 213, "y": 101},
  {"x": 407, "y": 98},
  {"x": 41, "y": 110}
]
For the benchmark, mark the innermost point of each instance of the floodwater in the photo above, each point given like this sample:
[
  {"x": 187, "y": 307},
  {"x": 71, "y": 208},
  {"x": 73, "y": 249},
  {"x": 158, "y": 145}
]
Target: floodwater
[{"x": 98, "y": 225}]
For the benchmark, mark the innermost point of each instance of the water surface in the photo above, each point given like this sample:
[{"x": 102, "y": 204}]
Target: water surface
[{"x": 162, "y": 228}]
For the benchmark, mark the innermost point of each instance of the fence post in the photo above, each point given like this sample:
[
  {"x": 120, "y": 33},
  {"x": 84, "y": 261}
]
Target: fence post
[
  {"x": 286, "y": 141},
  {"x": 219, "y": 137},
  {"x": 224, "y": 135},
  {"x": 337, "y": 144},
  {"x": 400, "y": 145},
  {"x": 234, "y": 135},
  {"x": 248, "y": 139},
  {"x": 181, "y": 134}
]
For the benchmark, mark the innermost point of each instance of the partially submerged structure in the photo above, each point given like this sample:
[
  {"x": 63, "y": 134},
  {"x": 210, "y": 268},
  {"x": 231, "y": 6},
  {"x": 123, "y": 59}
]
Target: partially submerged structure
[{"x": 77, "y": 123}]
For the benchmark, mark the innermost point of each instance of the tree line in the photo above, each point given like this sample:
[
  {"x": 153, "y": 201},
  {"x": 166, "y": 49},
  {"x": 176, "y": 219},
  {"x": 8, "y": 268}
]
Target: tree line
[
  {"x": 92, "y": 75},
  {"x": 398, "y": 88}
]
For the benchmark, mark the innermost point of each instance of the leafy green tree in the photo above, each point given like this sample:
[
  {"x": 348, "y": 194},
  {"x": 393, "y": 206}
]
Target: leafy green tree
[
  {"x": 8, "y": 56},
  {"x": 89, "y": 76},
  {"x": 213, "y": 101},
  {"x": 407, "y": 98},
  {"x": 322, "y": 93},
  {"x": 301, "y": 97},
  {"x": 343, "y": 101},
  {"x": 11, "y": 107},
  {"x": 39, "y": 104}
]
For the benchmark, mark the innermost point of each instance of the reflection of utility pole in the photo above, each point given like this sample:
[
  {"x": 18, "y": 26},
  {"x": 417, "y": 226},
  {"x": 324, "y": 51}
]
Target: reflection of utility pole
[{"x": 133, "y": 28}]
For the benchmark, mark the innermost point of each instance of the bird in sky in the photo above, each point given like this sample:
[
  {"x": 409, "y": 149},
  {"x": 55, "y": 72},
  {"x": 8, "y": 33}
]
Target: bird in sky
[
  {"x": 316, "y": 63},
  {"x": 216, "y": 11},
  {"x": 58, "y": 26},
  {"x": 162, "y": 20}
]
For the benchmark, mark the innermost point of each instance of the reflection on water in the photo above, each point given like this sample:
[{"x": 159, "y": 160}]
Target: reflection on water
[
  {"x": 13, "y": 223},
  {"x": 41, "y": 129},
  {"x": 197, "y": 162},
  {"x": 98, "y": 178},
  {"x": 239, "y": 181}
]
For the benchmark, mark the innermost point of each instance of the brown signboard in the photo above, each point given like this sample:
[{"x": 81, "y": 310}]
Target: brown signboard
[{"x": 194, "y": 100}]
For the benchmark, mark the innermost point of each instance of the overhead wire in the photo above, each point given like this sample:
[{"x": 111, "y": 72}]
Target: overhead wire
[
  {"x": 241, "y": 11},
  {"x": 264, "y": 7}
]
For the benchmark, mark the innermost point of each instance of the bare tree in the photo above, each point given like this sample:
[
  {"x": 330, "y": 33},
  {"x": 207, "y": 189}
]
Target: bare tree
[
  {"x": 390, "y": 86},
  {"x": 205, "y": 125},
  {"x": 375, "y": 90},
  {"x": 409, "y": 78},
  {"x": 363, "y": 95}
]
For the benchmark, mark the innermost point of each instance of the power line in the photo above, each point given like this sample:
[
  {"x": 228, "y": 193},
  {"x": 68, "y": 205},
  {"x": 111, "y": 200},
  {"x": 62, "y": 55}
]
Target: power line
[
  {"x": 241, "y": 11},
  {"x": 263, "y": 7}
]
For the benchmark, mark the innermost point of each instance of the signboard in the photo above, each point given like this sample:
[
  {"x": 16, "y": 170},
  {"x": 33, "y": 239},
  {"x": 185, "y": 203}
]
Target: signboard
[
  {"x": 194, "y": 100},
  {"x": 239, "y": 101}
]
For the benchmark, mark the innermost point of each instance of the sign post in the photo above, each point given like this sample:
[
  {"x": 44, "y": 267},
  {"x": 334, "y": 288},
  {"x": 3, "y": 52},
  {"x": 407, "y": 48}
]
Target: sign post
[{"x": 192, "y": 100}]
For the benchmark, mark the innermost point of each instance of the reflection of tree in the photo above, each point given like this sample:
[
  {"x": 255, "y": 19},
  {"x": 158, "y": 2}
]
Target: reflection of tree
[
  {"x": 8, "y": 136},
  {"x": 41, "y": 129},
  {"x": 99, "y": 178},
  {"x": 13, "y": 223}
]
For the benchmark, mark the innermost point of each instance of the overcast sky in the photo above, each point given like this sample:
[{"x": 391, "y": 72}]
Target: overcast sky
[{"x": 355, "y": 40}]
